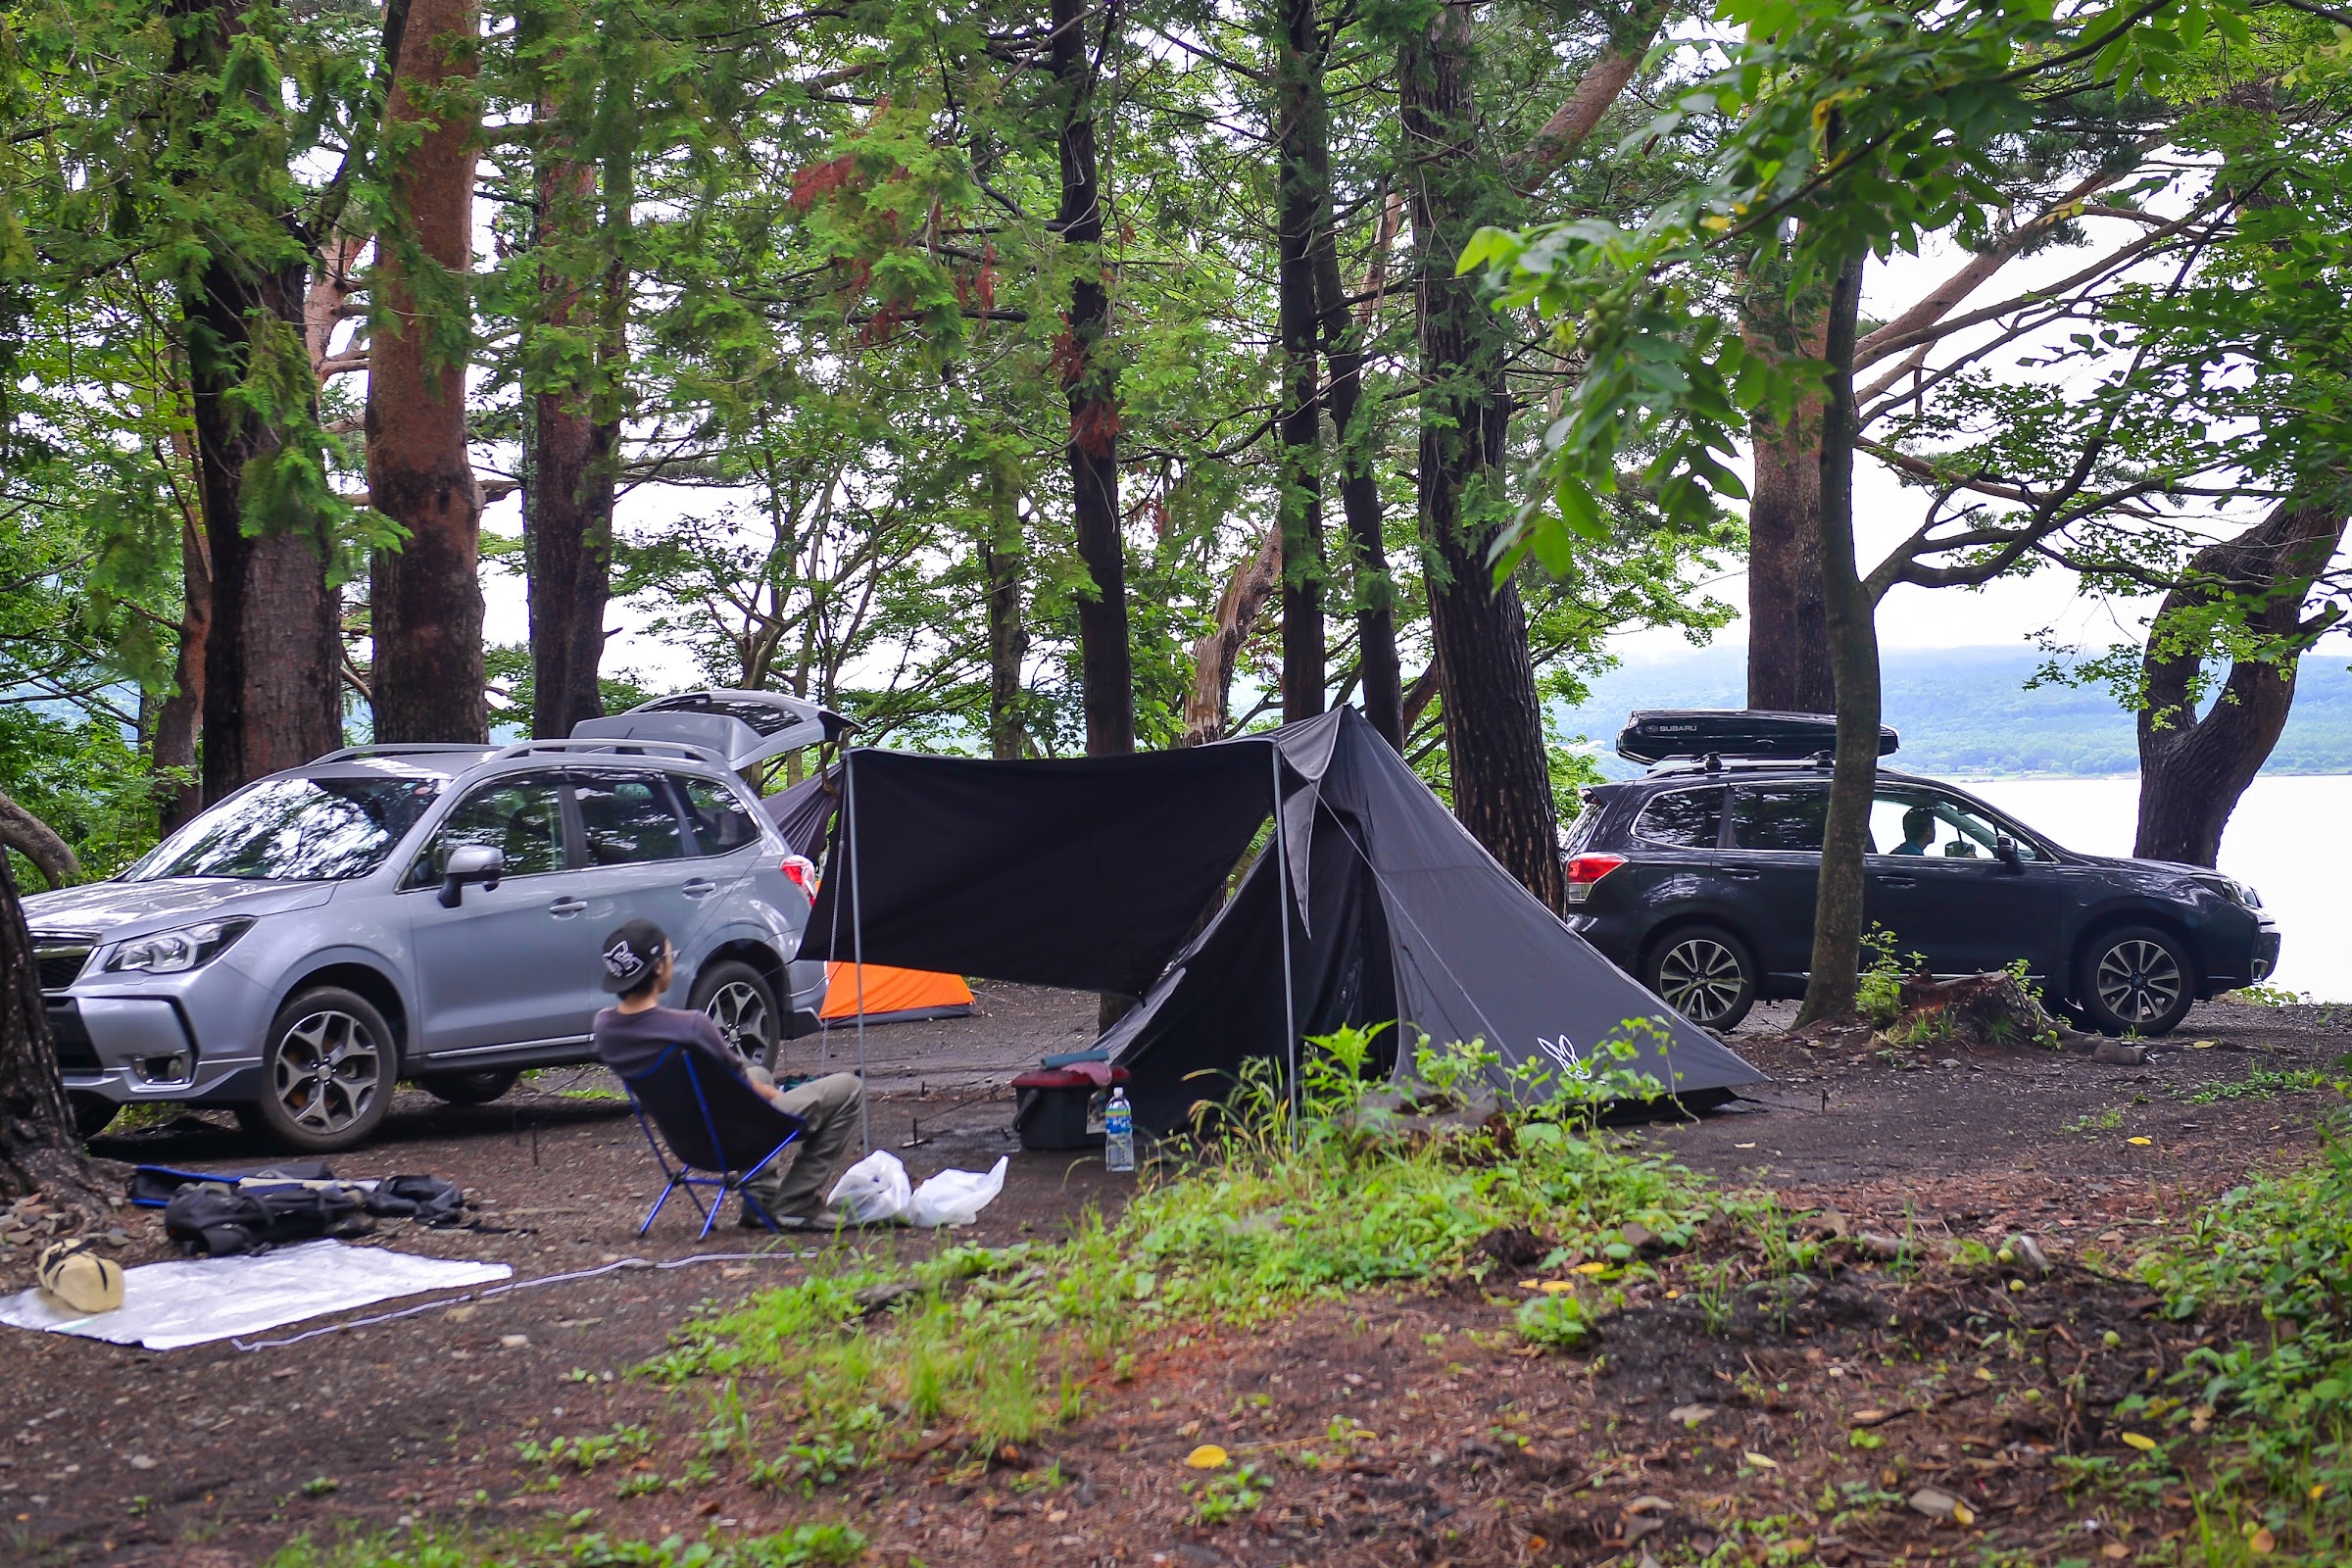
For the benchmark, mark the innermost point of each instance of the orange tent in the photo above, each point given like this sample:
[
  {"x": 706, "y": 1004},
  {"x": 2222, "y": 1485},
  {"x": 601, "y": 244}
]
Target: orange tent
[{"x": 894, "y": 996}]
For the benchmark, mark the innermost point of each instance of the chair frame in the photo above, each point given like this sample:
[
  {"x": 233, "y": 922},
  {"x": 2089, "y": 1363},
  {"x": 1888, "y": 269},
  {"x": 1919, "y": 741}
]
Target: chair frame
[{"x": 682, "y": 1174}]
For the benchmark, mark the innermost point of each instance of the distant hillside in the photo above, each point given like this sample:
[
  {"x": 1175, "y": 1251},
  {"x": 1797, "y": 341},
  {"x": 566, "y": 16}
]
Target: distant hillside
[{"x": 1965, "y": 712}]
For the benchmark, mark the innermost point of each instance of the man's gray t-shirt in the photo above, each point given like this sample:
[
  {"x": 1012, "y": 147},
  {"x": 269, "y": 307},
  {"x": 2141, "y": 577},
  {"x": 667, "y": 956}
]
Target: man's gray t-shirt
[{"x": 629, "y": 1043}]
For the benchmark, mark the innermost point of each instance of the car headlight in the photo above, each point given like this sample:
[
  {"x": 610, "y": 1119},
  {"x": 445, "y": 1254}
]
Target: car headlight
[
  {"x": 177, "y": 951},
  {"x": 2234, "y": 891}
]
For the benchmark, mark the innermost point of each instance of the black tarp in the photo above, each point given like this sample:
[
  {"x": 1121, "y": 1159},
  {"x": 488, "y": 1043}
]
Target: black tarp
[
  {"x": 803, "y": 812},
  {"x": 1092, "y": 874}
]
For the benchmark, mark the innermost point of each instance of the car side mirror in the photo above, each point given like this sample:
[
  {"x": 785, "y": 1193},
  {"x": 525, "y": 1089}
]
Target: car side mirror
[
  {"x": 2004, "y": 850},
  {"x": 484, "y": 863}
]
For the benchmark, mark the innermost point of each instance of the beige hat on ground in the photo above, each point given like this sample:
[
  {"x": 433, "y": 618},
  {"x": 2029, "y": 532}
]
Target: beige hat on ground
[{"x": 74, "y": 1277}]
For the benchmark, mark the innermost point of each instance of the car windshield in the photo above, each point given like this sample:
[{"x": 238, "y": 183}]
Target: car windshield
[{"x": 295, "y": 830}]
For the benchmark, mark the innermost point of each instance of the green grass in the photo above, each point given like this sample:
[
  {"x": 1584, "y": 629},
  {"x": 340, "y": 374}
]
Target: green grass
[{"x": 995, "y": 1347}]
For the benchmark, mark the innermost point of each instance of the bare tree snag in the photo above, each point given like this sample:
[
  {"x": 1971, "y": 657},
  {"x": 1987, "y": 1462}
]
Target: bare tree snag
[{"x": 1205, "y": 707}]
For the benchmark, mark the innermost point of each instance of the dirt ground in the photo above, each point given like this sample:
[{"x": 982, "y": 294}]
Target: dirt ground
[{"x": 1449, "y": 1444}]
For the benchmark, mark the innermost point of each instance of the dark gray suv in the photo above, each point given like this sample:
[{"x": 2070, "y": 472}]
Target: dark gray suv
[
  {"x": 432, "y": 912},
  {"x": 1700, "y": 881}
]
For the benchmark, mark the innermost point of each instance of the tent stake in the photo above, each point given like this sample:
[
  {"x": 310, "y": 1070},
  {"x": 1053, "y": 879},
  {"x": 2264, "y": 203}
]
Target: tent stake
[
  {"x": 1282, "y": 898},
  {"x": 865, "y": 1125}
]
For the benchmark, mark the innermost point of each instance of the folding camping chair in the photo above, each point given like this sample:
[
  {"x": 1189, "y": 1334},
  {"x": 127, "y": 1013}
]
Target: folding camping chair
[{"x": 711, "y": 1122}]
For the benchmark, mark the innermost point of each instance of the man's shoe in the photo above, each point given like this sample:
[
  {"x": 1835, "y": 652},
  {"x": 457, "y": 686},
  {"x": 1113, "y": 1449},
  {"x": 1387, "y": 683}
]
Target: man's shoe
[{"x": 813, "y": 1219}]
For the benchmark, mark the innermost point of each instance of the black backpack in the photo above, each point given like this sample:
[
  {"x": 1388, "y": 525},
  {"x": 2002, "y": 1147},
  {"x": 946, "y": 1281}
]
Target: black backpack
[{"x": 209, "y": 1219}]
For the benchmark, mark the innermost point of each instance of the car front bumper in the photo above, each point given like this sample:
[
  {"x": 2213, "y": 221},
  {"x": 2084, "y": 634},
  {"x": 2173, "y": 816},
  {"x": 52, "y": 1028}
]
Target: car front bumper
[{"x": 186, "y": 1037}]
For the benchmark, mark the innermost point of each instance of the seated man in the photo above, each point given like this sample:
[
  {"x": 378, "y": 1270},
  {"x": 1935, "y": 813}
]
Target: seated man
[
  {"x": 631, "y": 1035},
  {"x": 1919, "y": 831}
]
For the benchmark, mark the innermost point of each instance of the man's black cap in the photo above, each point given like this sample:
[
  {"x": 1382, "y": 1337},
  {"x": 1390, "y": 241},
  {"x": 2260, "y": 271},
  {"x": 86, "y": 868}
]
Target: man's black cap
[{"x": 630, "y": 954}]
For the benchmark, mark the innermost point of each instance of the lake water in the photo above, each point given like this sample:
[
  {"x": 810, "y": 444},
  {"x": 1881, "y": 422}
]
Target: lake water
[{"x": 2287, "y": 838}]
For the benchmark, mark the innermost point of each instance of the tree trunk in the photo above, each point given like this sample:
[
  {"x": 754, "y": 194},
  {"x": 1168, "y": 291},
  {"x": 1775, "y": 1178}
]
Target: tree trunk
[
  {"x": 568, "y": 490},
  {"x": 1787, "y": 631},
  {"x": 1358, "y": 431},
  {"x": 1494, "y": 722},
  {"x": 38, "y": 1148},
  {"x": 1853, "y": 633},
  {"x": 2194, "y": 769},
  {"x": 272, "y": 665},
  {"x": 173, "y": 746},
  {"x": 1002, "y": 563},
  {"x": 1106, "y": 670},
  {"x": 1303, "y": 208},
  {"x": 426, "y": 603}
]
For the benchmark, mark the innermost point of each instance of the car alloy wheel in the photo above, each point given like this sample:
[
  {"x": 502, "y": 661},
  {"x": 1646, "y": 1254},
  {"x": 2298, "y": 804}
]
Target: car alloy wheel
[
  {"x": 740, "y": 1011},
  {"x": 326, "y": 1073},
  {"x": 2138, "y": 981},
  {"x": 1701, "y": 979}
]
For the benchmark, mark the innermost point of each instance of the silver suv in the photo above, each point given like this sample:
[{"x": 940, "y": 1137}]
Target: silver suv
[{"x": 432, "y": 912}]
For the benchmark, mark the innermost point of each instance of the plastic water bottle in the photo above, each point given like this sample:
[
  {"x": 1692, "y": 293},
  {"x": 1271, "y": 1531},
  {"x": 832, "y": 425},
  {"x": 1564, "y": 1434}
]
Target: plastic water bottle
[{"x": 1118, "y": 1133}]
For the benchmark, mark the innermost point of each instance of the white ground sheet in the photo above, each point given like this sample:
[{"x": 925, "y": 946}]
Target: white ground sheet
[{"x": 169, "y": 1306}]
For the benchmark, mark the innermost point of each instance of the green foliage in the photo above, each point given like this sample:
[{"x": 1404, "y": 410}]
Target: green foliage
[
  {"x": 1557, "y": 1321},
  {"x": 1878, "y": 994},
  {"x": 1221, "y": 1497},
  {"x": 2281, "y": 1396}
]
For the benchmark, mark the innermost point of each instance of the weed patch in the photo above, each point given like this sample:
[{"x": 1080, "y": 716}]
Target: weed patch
[{"x": 993, "y": 1348}]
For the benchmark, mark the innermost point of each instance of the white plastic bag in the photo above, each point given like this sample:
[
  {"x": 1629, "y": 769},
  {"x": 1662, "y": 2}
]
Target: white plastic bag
[
  {"x": 873, "y": 1191},
  {"x": 955, "y": 1196}
]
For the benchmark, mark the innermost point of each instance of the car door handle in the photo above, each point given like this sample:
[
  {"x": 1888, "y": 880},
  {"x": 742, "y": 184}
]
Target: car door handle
[
  {"x": 566, "y": 909},
  {"x": 1742, "y": 876},
  {"x": 1897, "y": 881},
  {"x": 701, "y": 887}
]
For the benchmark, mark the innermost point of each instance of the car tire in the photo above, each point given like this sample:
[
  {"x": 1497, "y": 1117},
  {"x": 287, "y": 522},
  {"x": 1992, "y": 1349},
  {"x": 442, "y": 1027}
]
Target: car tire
[
  {"x": 326, "y": 1073},
  {"x": 739, "y": 1000},
  {"x": 1705, "y": 973},
  {"x": 2134, "y": 979},
  {"x": 478, "y": 1088},
  {"x": 92, "y": 1114}
]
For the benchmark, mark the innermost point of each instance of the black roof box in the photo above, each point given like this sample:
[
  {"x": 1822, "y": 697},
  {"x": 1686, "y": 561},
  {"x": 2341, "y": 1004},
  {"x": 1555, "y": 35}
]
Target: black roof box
[{"x": 1656, "y": 734}]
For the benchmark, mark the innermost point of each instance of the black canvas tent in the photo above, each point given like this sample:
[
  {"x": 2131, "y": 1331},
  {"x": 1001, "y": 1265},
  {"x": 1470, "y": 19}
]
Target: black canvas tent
[{"x": 1371, "y": 903}]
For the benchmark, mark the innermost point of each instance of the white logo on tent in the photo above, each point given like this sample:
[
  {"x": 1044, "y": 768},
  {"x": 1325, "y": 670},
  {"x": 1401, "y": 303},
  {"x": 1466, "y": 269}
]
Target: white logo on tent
[{"x": 1563, "y": 1050}]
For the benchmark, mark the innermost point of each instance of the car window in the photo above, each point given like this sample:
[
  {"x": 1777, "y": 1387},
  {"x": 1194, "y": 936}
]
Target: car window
[
  {"x": 716, "y": 816},
  {"x": 626, "y": 818},
  {"x": 296, "y": 830},
  {"x": 1779, "y": 819},
  {"x": 1912, "y": 821},
  {"x": 1685, "y": 819},
  {"x": 521, "y": 816}
]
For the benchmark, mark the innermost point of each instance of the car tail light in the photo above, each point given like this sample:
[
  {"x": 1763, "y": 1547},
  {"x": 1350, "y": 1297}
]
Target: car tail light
[
  {"x": 1586, "y": 869},
  {"x": 803, "y": 873}
]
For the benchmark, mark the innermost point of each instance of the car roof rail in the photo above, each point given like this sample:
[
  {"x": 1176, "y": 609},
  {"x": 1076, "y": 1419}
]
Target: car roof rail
[
  {"x": 1716, "y": 763},
  {"x": 348, "y": 754},
  {"x": 616, "y": 745}
]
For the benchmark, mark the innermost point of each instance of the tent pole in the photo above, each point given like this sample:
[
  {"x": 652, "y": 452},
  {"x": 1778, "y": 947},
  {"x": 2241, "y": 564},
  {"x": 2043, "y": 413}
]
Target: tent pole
[
  {"x": 1282, "y": 898},
  {"x": 865, "y": 1125}
]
